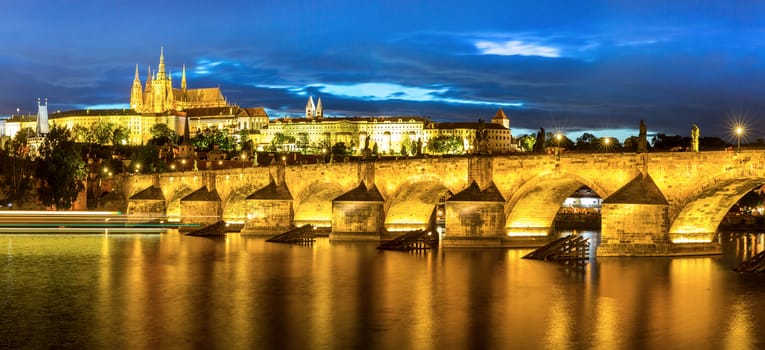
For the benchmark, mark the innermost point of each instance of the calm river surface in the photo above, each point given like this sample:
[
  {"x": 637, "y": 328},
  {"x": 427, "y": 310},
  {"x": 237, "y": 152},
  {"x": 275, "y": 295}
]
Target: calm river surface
[{"x": 168, "y": 291}]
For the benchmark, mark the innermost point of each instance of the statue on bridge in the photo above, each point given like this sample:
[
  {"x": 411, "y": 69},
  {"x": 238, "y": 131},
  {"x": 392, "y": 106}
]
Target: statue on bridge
[
  {"x": 695, "y": 138},
  {"x": 481, "y": 142},
  {"x": 539, "y": 144},
  {"x": 642, "y": 143}
]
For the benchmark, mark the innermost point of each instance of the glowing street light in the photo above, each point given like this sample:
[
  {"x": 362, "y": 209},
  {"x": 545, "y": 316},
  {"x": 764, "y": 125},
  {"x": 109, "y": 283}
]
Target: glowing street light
[
  {"x": 138, "y": 167},
  {"x": 739, "y": 132},
  {"x": 558, "y": 137}
]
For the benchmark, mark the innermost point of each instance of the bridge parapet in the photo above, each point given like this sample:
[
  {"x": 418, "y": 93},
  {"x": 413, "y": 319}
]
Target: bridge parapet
[{"x": 695, "y": 185}]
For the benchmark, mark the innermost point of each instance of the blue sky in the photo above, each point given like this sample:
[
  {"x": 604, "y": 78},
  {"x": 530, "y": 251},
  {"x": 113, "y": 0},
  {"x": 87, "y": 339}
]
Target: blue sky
[{"x": 562, "y": 65}]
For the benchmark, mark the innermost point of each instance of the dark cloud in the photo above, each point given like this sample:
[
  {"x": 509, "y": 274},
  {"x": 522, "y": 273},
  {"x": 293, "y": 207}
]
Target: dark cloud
[{"x": 569, "y": 65}]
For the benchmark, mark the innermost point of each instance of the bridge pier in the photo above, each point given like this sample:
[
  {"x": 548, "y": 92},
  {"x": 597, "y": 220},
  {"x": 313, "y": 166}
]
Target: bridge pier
[
  {"x": 635, "y": 222},
  {"x": 148, "y": 205},
  {"x": 203, "y": 206},
  {"x": 475, "y": 217},
  {"x": 269, "y": 210},
  {"x": 358, "y": 215}
]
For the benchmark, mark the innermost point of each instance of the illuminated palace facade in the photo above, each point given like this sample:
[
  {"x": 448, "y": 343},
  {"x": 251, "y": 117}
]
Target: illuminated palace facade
[{"x": 157, "y": 101}]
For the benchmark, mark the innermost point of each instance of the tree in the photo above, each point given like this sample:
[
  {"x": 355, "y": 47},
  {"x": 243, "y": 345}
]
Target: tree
[
  {"x": 279, "y": 140},
  {"x": 302, "y": 141},
  {"x": 102, "y": 132},
  {"x": 339, "y": 148},
  {"x": 587, "y": 142},
  {"x": 631, "y": 144},
  {"x": 444, "y": 144},
  {"x": 527, "y": 142},
  {"x": 60, "y": 169},
  {"x": 161, "y": 134},
  {"x": 146, "y": 160},
  {"x": 120, "y": 135},
  {"x": 18, "y": 167},
  {"x": 670, "y": 142}
]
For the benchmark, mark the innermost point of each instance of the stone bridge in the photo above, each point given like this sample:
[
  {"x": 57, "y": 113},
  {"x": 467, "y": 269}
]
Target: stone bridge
[{"x": 654, "y": 203}]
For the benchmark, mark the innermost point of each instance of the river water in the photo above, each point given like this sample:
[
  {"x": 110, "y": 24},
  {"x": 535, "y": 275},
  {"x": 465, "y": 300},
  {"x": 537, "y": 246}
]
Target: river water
[{"x": 168, "y": 291}]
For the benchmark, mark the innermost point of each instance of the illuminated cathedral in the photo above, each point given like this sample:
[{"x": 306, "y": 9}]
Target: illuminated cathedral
[{"x": 159, "y": 96}]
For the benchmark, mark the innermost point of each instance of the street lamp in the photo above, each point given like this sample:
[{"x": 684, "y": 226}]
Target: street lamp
[
  {"x": 739, "y": 132},
  {"x": 558, "y": 136},
  {"x": 138, "y": 168}
]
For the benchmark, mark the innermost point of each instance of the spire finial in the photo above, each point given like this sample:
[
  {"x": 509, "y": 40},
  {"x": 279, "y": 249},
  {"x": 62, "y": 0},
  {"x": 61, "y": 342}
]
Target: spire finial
[
  {"x": 183, "y": 78},
  {"x": 161, "y": 68}
]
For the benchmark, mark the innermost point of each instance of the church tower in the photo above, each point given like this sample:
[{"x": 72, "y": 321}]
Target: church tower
[
  {"x": 42, "y": 127},
  {"x": 501, "y": 119},
  {"x": 319, "y": 113},
  {"x": 162, "y": 87},
  {"x": 136, "y": 94},
  {"x": 183, "y": 79},
  {"x": 148, "y": 98},
  {"x": 310, "y": 109}
]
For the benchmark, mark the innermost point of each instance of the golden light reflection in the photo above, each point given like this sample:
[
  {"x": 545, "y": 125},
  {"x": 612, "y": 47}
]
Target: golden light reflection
[
  {"x": 559, "y": 332},
  {"x": 607, "y": 329},
  {"x": 739, "y": 333}
]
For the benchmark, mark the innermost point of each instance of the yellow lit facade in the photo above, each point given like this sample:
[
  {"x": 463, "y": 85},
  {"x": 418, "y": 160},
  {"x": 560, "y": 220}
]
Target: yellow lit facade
[{"x": 157, "y": 101}]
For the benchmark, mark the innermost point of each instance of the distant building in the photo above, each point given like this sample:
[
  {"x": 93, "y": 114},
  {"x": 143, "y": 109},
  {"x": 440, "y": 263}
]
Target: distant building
[
  {"x": 584, "y": 200},
  {"x": 157, "y": 101},
  {"x": 160, "y": 96}
]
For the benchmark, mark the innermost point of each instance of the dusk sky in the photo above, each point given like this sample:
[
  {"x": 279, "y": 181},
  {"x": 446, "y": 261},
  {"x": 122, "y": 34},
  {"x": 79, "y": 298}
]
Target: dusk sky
[{"x": 562, "y": 65}]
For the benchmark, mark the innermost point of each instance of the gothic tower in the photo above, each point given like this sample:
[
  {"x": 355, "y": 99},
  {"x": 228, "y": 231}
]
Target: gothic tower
[
  {"x": 148, "y": 98},
  {"x": 501, "y": 119},
  {"x": 319, "y": 113},
  {"x": 310, "y": 109},
  {"x": 136, "y": 94},
  {"x": 162, "y": 87},
  {"x": 183, "y": 79}
]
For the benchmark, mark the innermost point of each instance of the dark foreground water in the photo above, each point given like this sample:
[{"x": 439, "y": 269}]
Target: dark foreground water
[{"x": 174, "y": 292}]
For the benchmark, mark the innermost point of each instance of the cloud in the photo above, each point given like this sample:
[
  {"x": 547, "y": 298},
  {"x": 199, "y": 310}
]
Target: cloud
[
  {"x": 516, "y": 48},
  {"x": 397, "y": 92}
]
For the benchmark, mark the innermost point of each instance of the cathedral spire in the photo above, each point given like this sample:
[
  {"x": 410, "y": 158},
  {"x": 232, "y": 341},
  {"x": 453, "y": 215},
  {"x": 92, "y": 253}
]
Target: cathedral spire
[
  {"x": 136, "y": 93},
  {"x": 310, "y": 109},
  {"x": 319, "y": 109},
  {"x": 148, "y": 81},
  {"x": 183, "y": 79},
  {"x": 136, "y": 79},
  {"x": 161, "y": 68}
]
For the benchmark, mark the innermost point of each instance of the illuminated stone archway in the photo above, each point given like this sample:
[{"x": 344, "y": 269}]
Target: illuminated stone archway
[
  {"x": 235, "y": 206},
  {"x": 531, "y": 211},
  {"x": 699, "y": 218},
  {"x": 314, "y": 204},
  {"x": 174, "y": 203},
  {"x": 412, "y": 206}
]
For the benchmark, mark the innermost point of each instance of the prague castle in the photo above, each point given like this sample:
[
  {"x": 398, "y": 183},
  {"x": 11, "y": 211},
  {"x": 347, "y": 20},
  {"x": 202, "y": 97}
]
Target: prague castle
[
  {"x": 159, "y": 95},
  {"x": 156, "y": 101}
]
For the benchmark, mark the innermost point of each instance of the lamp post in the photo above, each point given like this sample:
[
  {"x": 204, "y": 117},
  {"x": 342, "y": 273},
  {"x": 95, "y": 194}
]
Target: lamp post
[
  {"x": 558, "y": 136},
  {"x": 739, "y": 132}
]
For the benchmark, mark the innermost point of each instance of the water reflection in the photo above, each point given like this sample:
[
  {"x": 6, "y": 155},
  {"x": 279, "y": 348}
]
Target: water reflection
[{"x": 172, "y": 291}]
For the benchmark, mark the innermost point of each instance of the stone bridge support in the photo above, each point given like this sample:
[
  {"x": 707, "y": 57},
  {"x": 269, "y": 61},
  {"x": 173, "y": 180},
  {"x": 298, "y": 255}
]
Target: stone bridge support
[{"x": 692, "y": 193}]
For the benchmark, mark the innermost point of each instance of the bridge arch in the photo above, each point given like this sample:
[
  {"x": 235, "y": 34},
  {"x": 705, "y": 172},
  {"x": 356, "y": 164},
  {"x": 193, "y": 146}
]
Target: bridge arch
[
  {"x": 700, "y": 216},
  {"x": 532, "y": 208},
  {"x": 235, "y": 206},
  {"x": 314, "y": 204},
  {"x": 412, "y": 205},
  {"x": 174, "y": 201}
]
